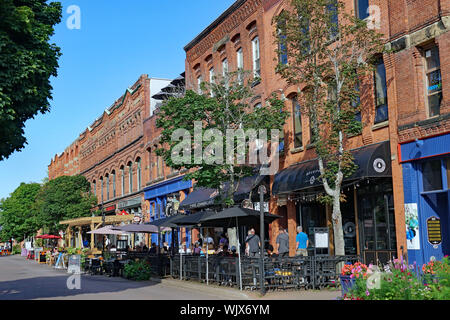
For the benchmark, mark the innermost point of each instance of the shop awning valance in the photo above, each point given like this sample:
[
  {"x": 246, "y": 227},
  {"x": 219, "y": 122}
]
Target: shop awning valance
[{"x": 373, "y": 161}]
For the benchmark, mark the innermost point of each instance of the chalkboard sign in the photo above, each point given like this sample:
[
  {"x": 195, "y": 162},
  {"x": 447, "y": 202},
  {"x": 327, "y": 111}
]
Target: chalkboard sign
[
  {"x": 74, "y": 264},
  {"x": 434, "y": 231}
]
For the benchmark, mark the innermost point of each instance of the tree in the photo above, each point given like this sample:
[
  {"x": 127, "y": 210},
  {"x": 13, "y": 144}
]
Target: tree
[
  {"x": 27, "y": 61},
  {"x": 66, "y": 197},
  {"x": 224, "y": 104},
  {"x": 18, "y": 213},
  {"x": 328, "y": 50}
]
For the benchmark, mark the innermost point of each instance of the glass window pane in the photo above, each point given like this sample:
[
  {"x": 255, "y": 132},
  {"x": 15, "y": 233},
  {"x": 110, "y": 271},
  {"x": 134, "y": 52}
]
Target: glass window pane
[
  {"x": 434, "y": 82},
  {"x": 434, "y": 103},
  {"x": 432, "y": 175},
  {"x": 380, "y": 84},
  {"x": 368, "y": 224},
  {"x": 297, "y": 124},
  {"x": 362, "y": 9},
  {"x": 447, "y": 165},
  {"x": 432, "y": 57}
]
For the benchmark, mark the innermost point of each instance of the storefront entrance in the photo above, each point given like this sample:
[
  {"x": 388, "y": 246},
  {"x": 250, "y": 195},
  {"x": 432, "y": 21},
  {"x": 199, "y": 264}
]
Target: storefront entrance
[{"x": 376, "y": 222}]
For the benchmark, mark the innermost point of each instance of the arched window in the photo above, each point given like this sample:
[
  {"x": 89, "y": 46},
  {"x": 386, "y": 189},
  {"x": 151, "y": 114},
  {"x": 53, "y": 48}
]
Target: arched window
[
  {"x": 113, "y": 174},
  {"x": 130, "y": 177},
  {"x": 122, "y": 178},
  {"x": 94, "y": 187},
  {"x": 297, "y": 117},
  {"x": 107, "y": 187},
  {"x": 101, "y": 187},
  {"x": 138, "y": 173}
]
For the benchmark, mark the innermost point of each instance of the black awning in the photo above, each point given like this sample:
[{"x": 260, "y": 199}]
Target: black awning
[
  {"x": 199, "y": 198},
  {"x": 373, "y": 161},
  {"x": 206, "y": 197}
]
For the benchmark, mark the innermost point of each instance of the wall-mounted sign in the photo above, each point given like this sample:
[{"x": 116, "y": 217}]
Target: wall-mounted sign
[
  {"x": 110, "y": 208},
  {"x": 434, "y": 230},
  {"x": 412, "y": 226}
]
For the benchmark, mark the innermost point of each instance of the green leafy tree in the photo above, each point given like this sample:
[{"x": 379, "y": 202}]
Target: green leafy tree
[
  {"x": 224, "y": 104},
  {"x": 27, "y": 61},
  {"x": 328, "y": 50},
  {"x": 18, "y": 213},
  {"x": 67, "y": 197}
]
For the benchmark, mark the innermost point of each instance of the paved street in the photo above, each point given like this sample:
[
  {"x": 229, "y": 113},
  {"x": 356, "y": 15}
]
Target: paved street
[{"x": 21, "y": 279}]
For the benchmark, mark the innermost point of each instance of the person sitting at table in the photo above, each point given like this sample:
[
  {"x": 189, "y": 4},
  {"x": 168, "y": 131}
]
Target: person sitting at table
[
  {"x": 153, "y": 249},
  {"x": 197, "y": 249},
  {"x": 219, "y": 249}
]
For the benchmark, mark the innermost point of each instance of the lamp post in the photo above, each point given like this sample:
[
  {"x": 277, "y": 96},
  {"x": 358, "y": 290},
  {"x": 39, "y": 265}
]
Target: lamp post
[{"x": 262, "y": 191}]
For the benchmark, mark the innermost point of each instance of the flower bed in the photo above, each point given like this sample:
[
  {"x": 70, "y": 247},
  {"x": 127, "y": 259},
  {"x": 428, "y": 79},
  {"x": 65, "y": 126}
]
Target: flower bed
[{"x": 398, "y": 281}]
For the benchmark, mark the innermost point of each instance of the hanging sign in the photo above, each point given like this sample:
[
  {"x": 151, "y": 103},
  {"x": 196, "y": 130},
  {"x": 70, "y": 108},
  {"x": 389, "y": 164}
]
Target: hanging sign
[{"x": 434, "y": 230}]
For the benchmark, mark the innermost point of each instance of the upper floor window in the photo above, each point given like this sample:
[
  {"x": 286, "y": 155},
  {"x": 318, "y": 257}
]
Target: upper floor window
[
  {"x": 298, "y": 130},
  {"x": 107, "y": 187},
  {"x": 130, "y": 177},
  {"x": 381, "y": 101},
  {"x": 212, "y": 79},
  {"x": 94, "y": 188},
  {"x": 434, "y": 81},
  {"x": 356, "y": 103},
  {"x": 139, "y": 172},
  {"x": 225, "y": 67},
  {"x": 256, "y": 57},
  {"x": 122, "y": 173},
  {"x": 240, "y": 64},
  {"x": 332, "y": 8},
  {"x": 282, "y": 48},
  {"x": 362, "y": 9},
  {"x": 436, "y": 175},
  {"x": 114, "y": 183},
  {"x": 199, "y": 84},
  {"x": 101, "y": 187}
]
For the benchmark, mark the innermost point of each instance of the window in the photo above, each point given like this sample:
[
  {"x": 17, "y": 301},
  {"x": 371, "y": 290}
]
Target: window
[
  {"x": 101, "y": 187},
  {"x": 298, "y": 132},
  {"x": 130, "y": 177},
  {"x": 356, "y": 103},
  {"x": 211, "y": 80},
  {"x": 283, "y": 57},
  {"x": 381, "y": 102},
  {"x": 225, "y": 67},
  {"x": 240, "y": 64},
  {"x": 199, "y": 83},
  {"x": 362, "y": 9},
  {"x": 256, "y": 57},
  {"x": 107, "y": 187},
  {"x": 139, "y": 170},
  {"x": 434, "y": 81},
  {"x": 122, "y": 173},
  {"x": 94, "y": 187},
  {"x": 114, "y": 183},
  {"x": 332, "y": 8},
  {"x": 304, "y": 29},
  {"x": 432, "y": 175},
  {"x": 159, "y": 166}
]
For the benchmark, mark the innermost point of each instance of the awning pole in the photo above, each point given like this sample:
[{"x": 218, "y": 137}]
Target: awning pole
[
  {"x": 207, "y": 267},
  {"x": 239, "y": 255}
]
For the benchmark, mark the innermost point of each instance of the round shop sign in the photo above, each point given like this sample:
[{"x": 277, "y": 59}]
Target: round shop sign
[
  {"x": 379, "y": 165},
  {"x": 312, "y": 180}
]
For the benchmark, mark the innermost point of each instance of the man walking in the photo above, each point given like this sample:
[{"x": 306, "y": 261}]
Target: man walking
[
  {"x": 253, "y": 244},
  {"x": 283, "y": 243},
  {"x": 302, "y": 242}
]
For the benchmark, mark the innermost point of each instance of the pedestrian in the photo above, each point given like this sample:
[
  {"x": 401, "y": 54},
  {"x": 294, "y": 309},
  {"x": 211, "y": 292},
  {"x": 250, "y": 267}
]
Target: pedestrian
[
  {"x": 302, "y": 242},
  {"x": 254, "y": 244},
  {"x": 283, "y": 243}
]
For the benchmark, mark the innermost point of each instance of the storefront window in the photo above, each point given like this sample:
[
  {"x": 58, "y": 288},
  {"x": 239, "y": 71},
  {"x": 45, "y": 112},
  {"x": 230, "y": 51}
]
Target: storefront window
[
  {"x": 447, "y": 166},
  {"x": 432, "y": 176}
]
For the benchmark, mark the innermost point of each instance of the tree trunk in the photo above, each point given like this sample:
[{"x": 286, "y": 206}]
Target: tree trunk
[{"x": 339, "y": 244}]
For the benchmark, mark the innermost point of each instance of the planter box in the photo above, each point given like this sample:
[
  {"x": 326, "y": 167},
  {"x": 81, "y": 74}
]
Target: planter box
[{"x": 347, "y": 284}]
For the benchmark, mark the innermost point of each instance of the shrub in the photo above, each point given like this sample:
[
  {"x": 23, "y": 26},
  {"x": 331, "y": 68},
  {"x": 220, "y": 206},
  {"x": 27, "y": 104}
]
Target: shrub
[
  {"x": 137, "y": 270},
  {"x": 16, "y": 249}
]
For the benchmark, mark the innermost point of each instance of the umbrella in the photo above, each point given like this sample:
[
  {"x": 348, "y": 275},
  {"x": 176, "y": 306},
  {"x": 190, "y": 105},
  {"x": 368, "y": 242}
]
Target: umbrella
[
  {"x": 47, "y": 236},
  {"x": 138, "y": 228},
  {"x": 233, "y": 217},
  {"x": 193, "y": 219},
  {"x": 168, "y": 222},
  {"x": 107, "y": 231},
  {"x": 230, "y": 217}
]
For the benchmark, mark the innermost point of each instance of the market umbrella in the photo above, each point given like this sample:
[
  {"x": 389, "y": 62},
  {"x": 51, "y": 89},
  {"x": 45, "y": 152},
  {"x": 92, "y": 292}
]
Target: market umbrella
[
  {"x": 233, "y": 217},
  {"x": 168, "y": 222},
  {"x": 107, "y": 231},
  {"x": 193, "y": 219},
  {"x": 139, "y": 228},
  {"x": 47, "y": 236}
]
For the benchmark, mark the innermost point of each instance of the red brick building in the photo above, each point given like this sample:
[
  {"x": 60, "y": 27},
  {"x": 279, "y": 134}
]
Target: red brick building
[{"x": 111, "y": 152}]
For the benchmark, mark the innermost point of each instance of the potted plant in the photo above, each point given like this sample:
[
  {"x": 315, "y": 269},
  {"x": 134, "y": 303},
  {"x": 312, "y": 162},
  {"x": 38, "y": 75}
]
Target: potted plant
[{"x": 349, "y": 274}]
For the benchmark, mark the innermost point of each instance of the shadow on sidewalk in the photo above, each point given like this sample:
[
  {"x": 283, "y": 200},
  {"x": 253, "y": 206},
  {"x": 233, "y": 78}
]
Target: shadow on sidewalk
[{"x": 56, "y": 287}]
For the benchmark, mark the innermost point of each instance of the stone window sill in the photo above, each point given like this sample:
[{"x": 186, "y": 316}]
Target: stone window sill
[
  {"x": 380, "y": 125},
  {"x": 297, "y": 150}
]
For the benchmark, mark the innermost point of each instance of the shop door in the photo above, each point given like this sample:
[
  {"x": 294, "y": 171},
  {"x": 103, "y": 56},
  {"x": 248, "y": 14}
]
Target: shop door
[{"x": 377, "y": 226}]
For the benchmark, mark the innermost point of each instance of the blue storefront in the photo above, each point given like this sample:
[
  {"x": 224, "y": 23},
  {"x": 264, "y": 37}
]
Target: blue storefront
[
  {"x": 159, "y": 196},
  {"x": 426, "y": 185}
]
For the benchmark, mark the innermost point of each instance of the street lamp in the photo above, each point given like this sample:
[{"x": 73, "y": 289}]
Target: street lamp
[{"x": 262, "y": 191}]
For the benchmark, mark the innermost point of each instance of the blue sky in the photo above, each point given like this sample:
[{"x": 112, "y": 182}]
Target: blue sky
[{"x": 118, "y": 41}]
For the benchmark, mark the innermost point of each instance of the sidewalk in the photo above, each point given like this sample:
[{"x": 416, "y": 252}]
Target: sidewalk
[{"x": 325, "y": 294}]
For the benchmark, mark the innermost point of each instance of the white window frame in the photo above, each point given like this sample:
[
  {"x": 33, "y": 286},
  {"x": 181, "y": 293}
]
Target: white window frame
[{"x": 256, "y": 53}]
